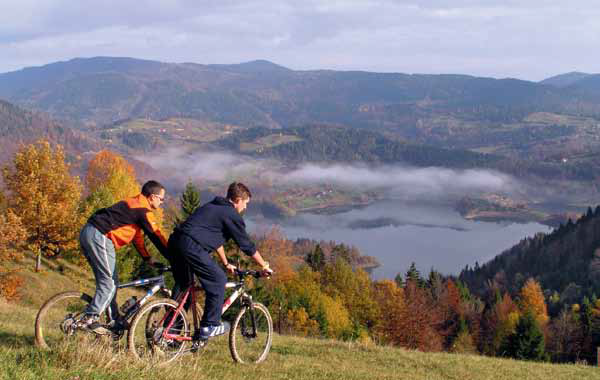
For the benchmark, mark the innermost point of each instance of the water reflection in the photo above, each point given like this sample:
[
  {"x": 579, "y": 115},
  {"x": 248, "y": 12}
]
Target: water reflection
[{"x": 398, "y": 233}]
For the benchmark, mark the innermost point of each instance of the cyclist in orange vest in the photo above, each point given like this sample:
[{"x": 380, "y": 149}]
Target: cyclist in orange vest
[{"x": 111, "y": 228}]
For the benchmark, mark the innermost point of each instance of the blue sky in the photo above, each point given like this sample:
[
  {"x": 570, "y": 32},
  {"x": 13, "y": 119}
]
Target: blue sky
[{"x": 528, "y": 40}]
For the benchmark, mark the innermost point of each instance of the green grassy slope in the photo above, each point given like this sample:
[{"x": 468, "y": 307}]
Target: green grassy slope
[{"x": 290, "y": 357}]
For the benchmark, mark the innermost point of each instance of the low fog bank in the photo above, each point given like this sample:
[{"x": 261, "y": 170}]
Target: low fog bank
[
  {"x": 406, "y": 181},
  {"x": 395, "y": 181}
]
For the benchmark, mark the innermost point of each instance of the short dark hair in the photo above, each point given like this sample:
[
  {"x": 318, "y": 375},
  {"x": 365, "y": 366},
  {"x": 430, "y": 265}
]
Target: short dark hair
[
  {"x": 152, "y": 187},
  {"x": 238, "y": 190}
]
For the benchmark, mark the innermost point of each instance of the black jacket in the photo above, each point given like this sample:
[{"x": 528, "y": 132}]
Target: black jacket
[{"x": 211, "y": 225}]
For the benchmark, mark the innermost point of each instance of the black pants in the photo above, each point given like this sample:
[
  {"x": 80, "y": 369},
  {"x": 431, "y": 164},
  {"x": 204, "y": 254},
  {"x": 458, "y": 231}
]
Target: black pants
[{"x": 186, "y": 253}]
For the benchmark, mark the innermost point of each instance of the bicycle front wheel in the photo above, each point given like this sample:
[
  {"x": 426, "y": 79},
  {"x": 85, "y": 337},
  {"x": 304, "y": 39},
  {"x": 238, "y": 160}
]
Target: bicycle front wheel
[
  {"x": 251, "y": 334},
  {"x": 145, "y": 336},
  {"x": 57, "y": 319}
]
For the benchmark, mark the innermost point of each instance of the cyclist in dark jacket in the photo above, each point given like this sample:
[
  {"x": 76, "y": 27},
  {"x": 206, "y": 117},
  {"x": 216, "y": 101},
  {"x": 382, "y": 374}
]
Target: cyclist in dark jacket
[{"x": 203, "y": 232}]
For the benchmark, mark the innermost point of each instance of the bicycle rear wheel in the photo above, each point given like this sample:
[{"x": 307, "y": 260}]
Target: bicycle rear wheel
[
  {"x": 250, "y": 341},
  {"x": 56, "y": 319},
  {"x": 145, "y": 335}
]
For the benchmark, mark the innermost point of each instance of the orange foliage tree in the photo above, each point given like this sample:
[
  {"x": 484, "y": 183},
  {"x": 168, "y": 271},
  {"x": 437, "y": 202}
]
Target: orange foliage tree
[
  {"x": 500, "y": 322},
  {"x": 531, "y": 298},
  {"x": 278, "y": 250},
  {"x": 111, "y": 171},
  {"x": 390, "y": 300},
  {"x": 45, "y": 196},
  {"x": 420, "y": 321},
  {"x": 12, "y": 238}
]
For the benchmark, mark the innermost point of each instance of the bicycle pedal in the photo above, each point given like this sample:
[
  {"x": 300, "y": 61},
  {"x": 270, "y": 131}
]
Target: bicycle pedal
[{"x": 198, "y": 345}]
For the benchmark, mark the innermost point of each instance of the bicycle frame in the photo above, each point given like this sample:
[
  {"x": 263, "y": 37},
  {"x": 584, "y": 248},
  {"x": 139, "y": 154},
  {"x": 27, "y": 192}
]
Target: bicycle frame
[
  {"x": 158, "y": 283},
  {"x": 191, "y": 292}
]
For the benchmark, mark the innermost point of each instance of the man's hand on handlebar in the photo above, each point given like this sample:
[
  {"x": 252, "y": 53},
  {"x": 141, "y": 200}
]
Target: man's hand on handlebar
[
  {"x": 230, "y": 268},
  {"x": 267, "y": 272}
]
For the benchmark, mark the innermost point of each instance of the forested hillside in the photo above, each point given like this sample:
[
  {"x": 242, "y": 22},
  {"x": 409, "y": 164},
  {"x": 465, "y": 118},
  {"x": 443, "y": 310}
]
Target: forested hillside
[
  {"x": 105, "y": 89},
  {"x": 21, "y": 126},
  {"x": 566, "y": 262},
  {"x": 341, "y": 144}
]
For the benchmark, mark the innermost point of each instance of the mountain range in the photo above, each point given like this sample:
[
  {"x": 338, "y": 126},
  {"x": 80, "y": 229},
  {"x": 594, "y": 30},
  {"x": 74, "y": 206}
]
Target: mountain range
[
  {"x": 546, "y": 129},
  {"x": 102, "y": 90}
]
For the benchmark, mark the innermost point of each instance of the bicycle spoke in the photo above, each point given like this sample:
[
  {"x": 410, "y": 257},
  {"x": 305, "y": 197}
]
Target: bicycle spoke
[
  {"x": 251, "y": 334},
  {"x": 57, "y": 319},
  {"x": 146, "y": 340}
]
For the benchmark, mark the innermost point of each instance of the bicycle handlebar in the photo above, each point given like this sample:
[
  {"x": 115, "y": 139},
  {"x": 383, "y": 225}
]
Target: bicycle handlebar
[
  {"x": 162, "y": 268},
  {"x": 254, "y": 273}
]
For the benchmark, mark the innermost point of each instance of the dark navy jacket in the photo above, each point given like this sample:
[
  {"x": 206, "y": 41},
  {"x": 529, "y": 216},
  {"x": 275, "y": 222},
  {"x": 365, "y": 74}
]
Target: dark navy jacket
[{"x": 211, "y": 225}]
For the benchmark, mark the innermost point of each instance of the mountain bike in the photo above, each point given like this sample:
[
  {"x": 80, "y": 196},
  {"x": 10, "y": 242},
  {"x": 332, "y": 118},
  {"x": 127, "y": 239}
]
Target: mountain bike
[
  {"x": 160, "y": 332},
  {"x": 61, "y": 316}
]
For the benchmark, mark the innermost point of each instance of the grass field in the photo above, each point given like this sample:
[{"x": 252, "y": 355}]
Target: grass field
[{"x": 290, "y": 357}]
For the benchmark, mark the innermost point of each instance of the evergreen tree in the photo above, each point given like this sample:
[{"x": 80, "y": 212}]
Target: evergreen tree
[
  {"x": 189, "y": 202},
  {"x": 399, "y": 280},
  {"x": 316, "y": 258},
  {"x": 413, "y": 274},
  {"x": 527, "y": 342}
]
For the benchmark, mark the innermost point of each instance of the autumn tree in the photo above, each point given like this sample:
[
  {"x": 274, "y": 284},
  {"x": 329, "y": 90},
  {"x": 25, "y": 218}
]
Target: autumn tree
[
  {"x": 390, "y": 301},
  {"x": 109, "y": 179},
  {"x": 353, "y": 287},
  {"x": 532, "y": 300},
  {"x": 111, "y": 171},
  {"x": 498, "y": 322},
  {"x": 420, "y": 320},
  {"x": 278, "y": 250},
  {"x": 304, "y": 292},
  {"x": 12, "y": 238},
  {"x": 12, "y": 235},
  {"x": 2, "y": 201},
  {"x": 45, "y": 196}
]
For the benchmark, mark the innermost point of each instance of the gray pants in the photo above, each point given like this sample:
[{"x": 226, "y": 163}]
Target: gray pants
[{"x": 100, "y": 253}]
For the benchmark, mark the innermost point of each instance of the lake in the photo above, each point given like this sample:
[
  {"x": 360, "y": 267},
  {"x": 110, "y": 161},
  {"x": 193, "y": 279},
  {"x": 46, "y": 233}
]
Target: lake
[{"x": 398, "y": 233}]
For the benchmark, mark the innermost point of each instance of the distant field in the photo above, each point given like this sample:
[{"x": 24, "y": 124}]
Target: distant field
[
  {"x": 290, "y": 357},
  {"x": 268, "y": 142},
  {"x": 177, "y": 129}
]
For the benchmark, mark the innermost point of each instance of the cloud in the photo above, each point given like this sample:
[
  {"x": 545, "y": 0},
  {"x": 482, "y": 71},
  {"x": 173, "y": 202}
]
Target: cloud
[
  {"x": 206, "y": 166},
  {"x": 530, "y": 40},
  {"x": 399, "y": 180},
  {"x": 430, "y": 181}
]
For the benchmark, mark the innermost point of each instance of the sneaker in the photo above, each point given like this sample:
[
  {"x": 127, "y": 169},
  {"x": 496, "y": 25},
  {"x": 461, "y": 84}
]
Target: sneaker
[
  {"x": 215, "y": 330},
  {"x": 90, "y": 323}
]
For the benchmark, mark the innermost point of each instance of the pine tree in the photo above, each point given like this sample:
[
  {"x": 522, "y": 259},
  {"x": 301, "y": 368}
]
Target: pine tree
[
  {"x": 316, "y": 258},
  {"x": 527, "y": 342},
  {"x": 413, "y": 274},
  {"x": 399, "y": 280},
  {"x": 188, "y": 202},
  {"x": 190, "y": 199}
]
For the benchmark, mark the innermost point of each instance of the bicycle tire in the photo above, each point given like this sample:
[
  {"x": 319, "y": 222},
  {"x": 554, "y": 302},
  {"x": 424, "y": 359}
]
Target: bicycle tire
[
  {"x": 244, "y": 347},
  {"x": 54, "y": 319},
  {"x": 144, "y": 338}
]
